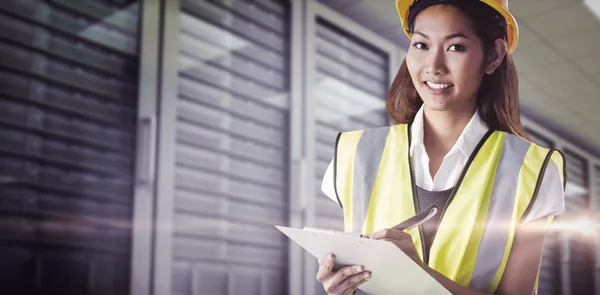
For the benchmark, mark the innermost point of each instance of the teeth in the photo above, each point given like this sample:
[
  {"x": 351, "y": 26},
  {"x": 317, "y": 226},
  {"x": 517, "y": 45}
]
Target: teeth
[{"x": 438, "y": 86}]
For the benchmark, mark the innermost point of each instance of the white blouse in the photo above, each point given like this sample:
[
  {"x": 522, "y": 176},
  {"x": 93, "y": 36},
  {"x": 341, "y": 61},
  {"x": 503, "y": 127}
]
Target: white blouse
[{"x": 550, "y": 199}]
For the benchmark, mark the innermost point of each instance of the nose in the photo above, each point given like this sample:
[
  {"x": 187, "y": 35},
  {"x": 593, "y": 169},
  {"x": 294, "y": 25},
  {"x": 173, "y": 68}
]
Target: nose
[{"x": 435, "y": 62}]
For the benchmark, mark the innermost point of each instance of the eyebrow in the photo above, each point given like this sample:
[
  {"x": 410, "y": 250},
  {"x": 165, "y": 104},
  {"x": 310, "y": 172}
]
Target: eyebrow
[{"x": 448, "y": 37}]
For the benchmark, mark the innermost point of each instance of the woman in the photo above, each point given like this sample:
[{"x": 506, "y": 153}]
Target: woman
[{"x": 457, "y": 142}]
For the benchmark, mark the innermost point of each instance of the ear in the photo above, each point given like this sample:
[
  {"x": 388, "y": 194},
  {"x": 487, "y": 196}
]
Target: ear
[{"x": 498, "y": 53}]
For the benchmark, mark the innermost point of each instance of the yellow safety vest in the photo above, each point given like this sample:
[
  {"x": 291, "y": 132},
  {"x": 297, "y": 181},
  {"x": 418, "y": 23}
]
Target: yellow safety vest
[{"x": 374, "y": 183}]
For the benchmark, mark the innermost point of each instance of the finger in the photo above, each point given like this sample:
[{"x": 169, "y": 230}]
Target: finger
[
  {"x": 325, "y": 268},
  {"x": 336, "y": 280},
  {"x": 355, "y": 282},
  {"x": 339, "y": 287},
  {"x": 390, "y": 234},
  {"x": 352, "y": 289}
]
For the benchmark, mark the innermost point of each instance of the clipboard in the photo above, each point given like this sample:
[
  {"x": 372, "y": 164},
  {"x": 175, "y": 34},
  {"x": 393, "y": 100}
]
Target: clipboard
[{"x": 393, "y": 272}]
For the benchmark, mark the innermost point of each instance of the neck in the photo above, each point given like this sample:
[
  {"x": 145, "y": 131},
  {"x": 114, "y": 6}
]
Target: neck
[{"x": 443, "y": 128}]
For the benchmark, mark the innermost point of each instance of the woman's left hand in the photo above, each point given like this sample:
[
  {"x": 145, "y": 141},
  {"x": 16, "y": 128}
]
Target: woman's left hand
[{"x": 401, "y": 239}]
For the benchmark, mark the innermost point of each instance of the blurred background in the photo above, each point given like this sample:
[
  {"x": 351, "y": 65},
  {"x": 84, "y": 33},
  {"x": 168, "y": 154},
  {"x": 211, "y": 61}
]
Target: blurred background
[{"x": 148, "y": 147}]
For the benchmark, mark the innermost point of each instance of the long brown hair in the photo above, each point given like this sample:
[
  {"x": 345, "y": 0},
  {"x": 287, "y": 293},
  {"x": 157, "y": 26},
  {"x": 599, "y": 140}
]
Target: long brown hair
[{"x": 498, "y": 99}]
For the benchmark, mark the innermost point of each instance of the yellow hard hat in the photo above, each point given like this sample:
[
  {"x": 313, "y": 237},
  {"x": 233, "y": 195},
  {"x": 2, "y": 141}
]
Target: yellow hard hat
[{"x": 501, "y": 6}]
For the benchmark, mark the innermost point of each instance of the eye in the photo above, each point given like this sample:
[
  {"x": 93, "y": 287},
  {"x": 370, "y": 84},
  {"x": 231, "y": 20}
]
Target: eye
[
  {"x": 457, "y": 47},
  {"x": 420, "y": 45}
]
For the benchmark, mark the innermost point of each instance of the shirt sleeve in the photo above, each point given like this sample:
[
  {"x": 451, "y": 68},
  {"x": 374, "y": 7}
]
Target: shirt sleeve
[
  {"x": 551, "y": 196},
  {"x": 327, "y": 185}
]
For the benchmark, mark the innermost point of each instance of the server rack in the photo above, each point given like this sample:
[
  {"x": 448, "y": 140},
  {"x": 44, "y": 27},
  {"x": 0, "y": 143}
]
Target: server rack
[
  {"x": 68, "y": 77},
  {"x": 581, "y": 247},
  {"x": 230, "y": 143}
]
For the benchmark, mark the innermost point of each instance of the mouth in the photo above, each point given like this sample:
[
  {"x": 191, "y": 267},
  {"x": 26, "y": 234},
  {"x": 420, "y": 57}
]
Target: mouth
[{"x": 438, "y": 86}]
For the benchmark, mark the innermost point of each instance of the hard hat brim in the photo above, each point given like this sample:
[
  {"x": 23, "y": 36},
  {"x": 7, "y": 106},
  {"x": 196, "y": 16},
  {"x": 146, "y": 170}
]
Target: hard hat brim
[{"x": 402, "y": 6}]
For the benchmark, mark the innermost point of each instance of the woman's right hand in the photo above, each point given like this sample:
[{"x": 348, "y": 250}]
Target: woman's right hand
[{"x": 343, "y": 281}]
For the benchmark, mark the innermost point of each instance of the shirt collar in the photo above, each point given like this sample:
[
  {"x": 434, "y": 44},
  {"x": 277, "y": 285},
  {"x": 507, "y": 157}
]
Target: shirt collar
[{"x": 467, "y": 141}]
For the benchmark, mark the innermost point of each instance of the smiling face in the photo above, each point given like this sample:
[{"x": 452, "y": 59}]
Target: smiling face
[{"x": 445, "y": 59}]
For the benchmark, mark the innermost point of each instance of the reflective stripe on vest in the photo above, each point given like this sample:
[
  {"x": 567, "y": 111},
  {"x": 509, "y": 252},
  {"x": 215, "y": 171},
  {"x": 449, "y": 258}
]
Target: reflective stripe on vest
[{"x": 374, "y": 183}]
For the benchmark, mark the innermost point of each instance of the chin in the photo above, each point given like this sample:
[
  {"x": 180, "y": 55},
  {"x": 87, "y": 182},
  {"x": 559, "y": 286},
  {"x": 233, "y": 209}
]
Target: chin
[
  {"x": 437, "y": 107},
  {"x": 445, "y": 104},
  {"x": 438, "y": 103}
]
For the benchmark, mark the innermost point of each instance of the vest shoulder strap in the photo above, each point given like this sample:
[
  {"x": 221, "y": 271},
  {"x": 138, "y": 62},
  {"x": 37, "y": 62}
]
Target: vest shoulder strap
[{"x": 367, "y": 145}]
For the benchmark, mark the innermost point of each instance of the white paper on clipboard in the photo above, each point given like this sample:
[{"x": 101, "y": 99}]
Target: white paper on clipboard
[{"x": 393, "y": 272}]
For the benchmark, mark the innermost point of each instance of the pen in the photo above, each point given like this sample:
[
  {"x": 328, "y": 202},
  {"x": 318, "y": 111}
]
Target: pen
[
  {"x": 407, "y": 224},
  {"x": 414, "y": 221},
  {"x": 418, "y": 219}
]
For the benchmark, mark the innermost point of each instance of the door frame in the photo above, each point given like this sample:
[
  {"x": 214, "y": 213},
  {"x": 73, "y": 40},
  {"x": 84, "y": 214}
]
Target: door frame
[
  {"x": 305, "y": 14},
  {"x": 152, "y": 225},
  {"x": 142, "y": 231}
]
